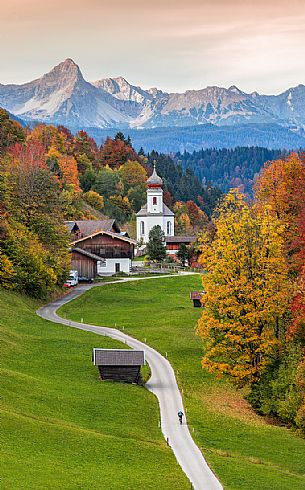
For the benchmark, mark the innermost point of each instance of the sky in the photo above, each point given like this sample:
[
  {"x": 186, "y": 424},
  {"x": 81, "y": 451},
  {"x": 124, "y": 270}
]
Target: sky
[{"x": 175, "y": 45}]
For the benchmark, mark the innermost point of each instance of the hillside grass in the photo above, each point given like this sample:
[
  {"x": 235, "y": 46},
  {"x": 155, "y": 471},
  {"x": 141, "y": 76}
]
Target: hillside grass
[
  {"x": 244, "y": 450},
  {"x": 63, "y": 428}
]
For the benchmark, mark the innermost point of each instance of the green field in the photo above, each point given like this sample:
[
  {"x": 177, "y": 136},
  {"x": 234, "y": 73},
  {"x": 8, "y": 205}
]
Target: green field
[
  {"x": 245, "y": 450},
  {"x": 61, "y": 427}
]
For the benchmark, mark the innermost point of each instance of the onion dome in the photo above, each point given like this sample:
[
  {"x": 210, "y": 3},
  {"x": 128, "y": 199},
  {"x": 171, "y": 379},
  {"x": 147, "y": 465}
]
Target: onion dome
[{"x": 154, "y": 180}]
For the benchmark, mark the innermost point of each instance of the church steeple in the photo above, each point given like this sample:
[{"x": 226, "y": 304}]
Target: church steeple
[
  {"x": 154, "y": 180},
  {"x": 154, "y": 193}
]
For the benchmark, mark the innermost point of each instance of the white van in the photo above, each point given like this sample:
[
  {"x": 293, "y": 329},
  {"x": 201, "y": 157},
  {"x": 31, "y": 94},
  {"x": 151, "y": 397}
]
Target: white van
[{"x": 72, "y": 279}]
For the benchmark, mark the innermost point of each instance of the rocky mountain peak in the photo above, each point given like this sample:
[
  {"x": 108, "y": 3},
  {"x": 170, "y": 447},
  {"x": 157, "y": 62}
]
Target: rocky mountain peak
[{"x": 65, "y": 73}]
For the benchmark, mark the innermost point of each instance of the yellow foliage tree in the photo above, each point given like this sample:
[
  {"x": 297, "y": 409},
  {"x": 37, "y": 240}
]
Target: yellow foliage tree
[
  {"x": 246, "y": 291},
  {"x": 6, "y": 272}
]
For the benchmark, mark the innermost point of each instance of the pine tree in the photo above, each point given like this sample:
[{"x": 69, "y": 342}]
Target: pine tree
[{"x": 156, "y": 249}]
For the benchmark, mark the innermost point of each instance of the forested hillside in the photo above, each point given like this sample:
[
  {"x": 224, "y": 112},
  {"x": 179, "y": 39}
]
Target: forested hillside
[
  {"x": 228, "y": 168},
  {"x": 48, "y": 175}
]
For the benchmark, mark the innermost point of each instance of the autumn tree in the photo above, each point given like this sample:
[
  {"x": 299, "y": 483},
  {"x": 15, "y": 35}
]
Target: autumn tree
[
  {"x": 246, "y": 285},
  {"x": 281, "y": 187},
  {"x": 94, "y": 199},
  {"x": 11, "y": 132},
  {"x": 115, "y": 152}
]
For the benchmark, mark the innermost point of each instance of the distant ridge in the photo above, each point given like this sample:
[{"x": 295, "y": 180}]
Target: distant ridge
[{"x": 63, "y": 96}]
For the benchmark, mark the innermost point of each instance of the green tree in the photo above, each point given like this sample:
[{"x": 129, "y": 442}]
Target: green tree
[
  {"x": 156, "y": 249},
  {"x": 107, "y": 182},
  {"x": 183, "y": 253}
]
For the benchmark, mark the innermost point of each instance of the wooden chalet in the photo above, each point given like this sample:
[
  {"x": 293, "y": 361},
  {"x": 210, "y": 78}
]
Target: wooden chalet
[
  {"x": 119, "y": 364},
  {"x": 102, "y": 252}
]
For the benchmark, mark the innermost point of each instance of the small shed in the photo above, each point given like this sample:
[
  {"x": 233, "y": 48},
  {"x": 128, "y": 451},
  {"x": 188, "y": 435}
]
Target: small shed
[
  {"x": 119, "y": 364},
  {"x": 84, "y": 262},
  {"x": 196, "y": 296}
]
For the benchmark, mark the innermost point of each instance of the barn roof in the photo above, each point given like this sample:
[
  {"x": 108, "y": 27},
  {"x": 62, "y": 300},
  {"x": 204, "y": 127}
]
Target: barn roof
[
  {"x": 87, "y": 254},
  {"x": 118, "y": 357},
  {"x": 166, "y": 212},
  {"x": 108, "y": 233},
  {"x": 181, "y": 239},
  {"x": 71, "y": 225}
]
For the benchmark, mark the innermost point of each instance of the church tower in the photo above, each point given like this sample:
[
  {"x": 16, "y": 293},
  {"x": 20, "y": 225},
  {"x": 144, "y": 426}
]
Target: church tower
[{"x": 155, "y": 212}]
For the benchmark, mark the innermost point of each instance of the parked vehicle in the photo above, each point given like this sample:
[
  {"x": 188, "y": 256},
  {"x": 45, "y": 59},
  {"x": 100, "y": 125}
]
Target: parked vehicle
[{"x": 72, "y": 279}]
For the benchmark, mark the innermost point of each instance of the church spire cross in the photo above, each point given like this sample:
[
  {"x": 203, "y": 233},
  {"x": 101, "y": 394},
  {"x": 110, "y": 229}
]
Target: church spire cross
[{"x": 154, "y": 180}]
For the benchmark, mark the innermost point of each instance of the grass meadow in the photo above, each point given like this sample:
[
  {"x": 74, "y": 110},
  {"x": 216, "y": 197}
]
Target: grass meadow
[
  {"x": 61, "y": 427},
  {"x": 245, "y": 450}
]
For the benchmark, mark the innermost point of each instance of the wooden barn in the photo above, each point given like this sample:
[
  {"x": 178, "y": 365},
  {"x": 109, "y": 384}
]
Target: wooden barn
[
  {"x": 173, "y": 242},
  {"x": 84, "y": 262},
  {"x": 196, "y": 296},
  {"x": 119, "y": 364}
]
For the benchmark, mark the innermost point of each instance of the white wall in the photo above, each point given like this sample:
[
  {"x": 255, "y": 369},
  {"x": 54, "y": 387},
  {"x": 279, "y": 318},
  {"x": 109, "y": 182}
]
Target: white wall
[
  {"x": 107, "y": 267},
  {"x": 156, "y": 193},
  {"x": 150, "y": 222}
]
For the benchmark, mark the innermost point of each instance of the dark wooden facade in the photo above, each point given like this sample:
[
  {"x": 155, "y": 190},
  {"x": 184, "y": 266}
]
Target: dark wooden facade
[
  {"x": 119, "y": 364},
  {"x": 85, "y": 265},
  {"x": 107, "y": 246}
]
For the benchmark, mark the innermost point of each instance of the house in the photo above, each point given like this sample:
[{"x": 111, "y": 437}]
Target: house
[
  {"x": 119, "y": 364},
  {"x": 155, "y": 212},
  {"x": 102, "y": 253}
]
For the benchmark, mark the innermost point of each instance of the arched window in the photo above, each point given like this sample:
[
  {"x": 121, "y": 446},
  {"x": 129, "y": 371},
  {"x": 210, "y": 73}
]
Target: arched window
[
  {"x": 142, "y": 229},
  {"x": 154, "y": 201},
  {"x": 169, "y": 228}
]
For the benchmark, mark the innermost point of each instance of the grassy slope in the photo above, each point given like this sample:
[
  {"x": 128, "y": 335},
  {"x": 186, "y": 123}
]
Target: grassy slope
[
  {"x": 61, "y": 427},
  {"x": 245, "y": 452}
]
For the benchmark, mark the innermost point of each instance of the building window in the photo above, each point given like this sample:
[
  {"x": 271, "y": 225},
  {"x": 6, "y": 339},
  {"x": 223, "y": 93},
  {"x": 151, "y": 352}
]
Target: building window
[
  {"x": 142, "y": 230},
  {"x": 117, "y": 268},
  {"x": 154, "y": 201},
  {"x": 169, "y": 228}
]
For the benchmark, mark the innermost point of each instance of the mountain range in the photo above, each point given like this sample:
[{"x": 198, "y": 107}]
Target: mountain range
[{"x": 63, "y": 96}]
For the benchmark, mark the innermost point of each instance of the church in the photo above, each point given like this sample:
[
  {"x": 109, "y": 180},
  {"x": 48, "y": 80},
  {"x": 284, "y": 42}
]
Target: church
[{"x": 155, "y": 212}]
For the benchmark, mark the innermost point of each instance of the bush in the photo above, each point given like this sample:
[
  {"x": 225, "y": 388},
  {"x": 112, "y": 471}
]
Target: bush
[{"x": 280, "y": 391}]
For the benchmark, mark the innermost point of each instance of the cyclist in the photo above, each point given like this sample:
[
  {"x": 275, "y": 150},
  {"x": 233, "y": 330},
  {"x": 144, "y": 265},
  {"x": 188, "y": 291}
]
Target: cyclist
[{"x": 180, "y": 415}]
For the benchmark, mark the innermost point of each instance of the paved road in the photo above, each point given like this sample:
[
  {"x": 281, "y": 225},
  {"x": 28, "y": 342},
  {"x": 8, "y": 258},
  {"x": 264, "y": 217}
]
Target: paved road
[{"x": 163, "y": 384}]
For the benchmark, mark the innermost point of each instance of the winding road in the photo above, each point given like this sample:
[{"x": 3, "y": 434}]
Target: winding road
[{"x": 162, "y": 383}]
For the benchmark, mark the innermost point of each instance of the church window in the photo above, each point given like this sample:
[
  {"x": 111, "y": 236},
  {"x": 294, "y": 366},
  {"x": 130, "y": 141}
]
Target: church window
[
  {"x": 169, "y": 228},
  {"x": 154, "y": 201},
  {"x": 142, "y": 227}
]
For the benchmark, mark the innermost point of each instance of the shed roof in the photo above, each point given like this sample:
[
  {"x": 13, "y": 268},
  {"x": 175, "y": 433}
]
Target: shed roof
[
  {"x": 166, "y": 212},
  {"x": 196, "y": 294},
  {"x": 118, "y": 357},
  {"x": 87, "y": 254},
  {"x": 181, "y": 239}
]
